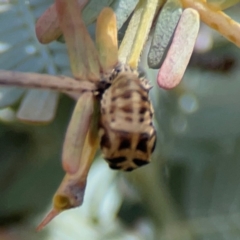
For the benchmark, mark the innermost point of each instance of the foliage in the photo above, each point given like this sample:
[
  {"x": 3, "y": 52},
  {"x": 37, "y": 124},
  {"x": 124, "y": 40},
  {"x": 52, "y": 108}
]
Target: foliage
[{"x": 198, "y": 132}]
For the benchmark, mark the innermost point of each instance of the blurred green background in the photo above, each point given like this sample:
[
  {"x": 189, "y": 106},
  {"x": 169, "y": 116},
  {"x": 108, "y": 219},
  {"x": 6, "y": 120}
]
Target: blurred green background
[{"x": 189, "y": 191}]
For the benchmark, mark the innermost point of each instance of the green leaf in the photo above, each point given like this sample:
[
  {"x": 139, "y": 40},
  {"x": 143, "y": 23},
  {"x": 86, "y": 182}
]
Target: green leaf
[
  {"x": 9, "y": 96},
  {"x": 137, "y": 32},
  {"x": 93, "y": 8},
  {"x": 39, "y": 111},
  {"x": 21, "y": 51},
  {"x": 166, "y": 24},
  {"x": 123, "y": 9}
]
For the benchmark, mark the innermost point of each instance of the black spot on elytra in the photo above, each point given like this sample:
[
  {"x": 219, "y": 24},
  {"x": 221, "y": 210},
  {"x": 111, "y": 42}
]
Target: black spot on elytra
[
  {"x": 105, "y": 141},
  {"x": 116, "y": 160},
  {"x": 144, "y": 98},
  {"x": 127, "y": 94},
  {"x": 114, "y": 166},
  {"x": 144, "y": 136},
  {"x": 129, "y": 119},
  {"x": 127, "y": 109},
  {"x": 142, "y": 145},
  {"x": 141, "y": 119},
  {"x": 142, "y": 110},
  {"x": 140, "y": 162},
  {"x": 124, "y": 144},
  {"x": 129, "y": 169},
  {"x": 112, "y": 109}
]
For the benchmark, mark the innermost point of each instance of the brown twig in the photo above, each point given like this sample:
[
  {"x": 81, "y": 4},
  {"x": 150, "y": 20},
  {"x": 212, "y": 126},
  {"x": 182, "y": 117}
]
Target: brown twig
[{"x": 44, "y": 81}]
